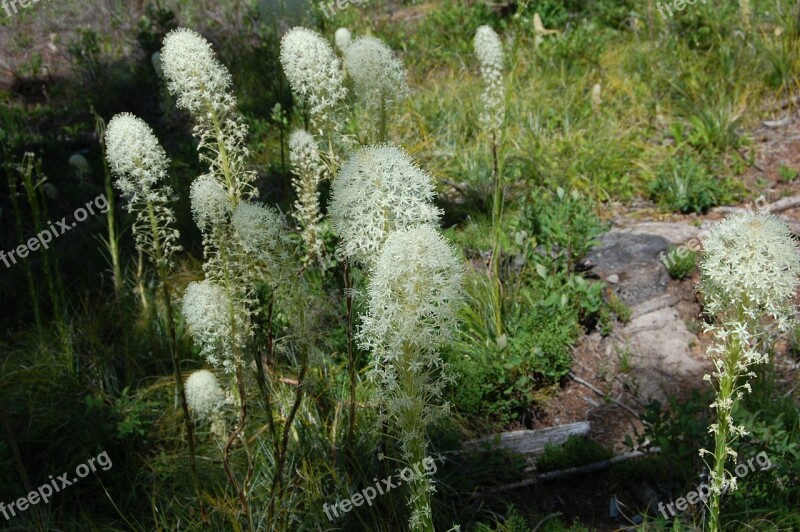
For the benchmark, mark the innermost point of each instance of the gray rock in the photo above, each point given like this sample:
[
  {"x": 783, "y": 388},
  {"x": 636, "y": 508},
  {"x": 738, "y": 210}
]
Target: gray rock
[{"x": 633, "y": 258}]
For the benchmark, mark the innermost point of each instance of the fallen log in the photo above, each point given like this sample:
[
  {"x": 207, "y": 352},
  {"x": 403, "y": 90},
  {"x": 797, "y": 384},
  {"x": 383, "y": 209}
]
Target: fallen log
[
  {"x": 573, "y": 471},
  {"x": 530, "y": 442}
]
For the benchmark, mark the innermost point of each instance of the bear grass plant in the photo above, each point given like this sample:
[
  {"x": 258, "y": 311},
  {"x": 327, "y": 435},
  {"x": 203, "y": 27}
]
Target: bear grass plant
[
  {"x": 749, "y": 277},
  {"x": 559, "y": 140},
  {"x": 382, "y": 208}
]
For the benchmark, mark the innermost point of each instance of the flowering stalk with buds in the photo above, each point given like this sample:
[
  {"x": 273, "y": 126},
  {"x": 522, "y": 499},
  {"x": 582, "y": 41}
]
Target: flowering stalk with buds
[
  {"x": 379, "y": 79},
  {"x": 217, "y": 309},
  {"x": 489, "y": 50},
  {"x": 308, "y": 171},
  {"x": 749, "y": 275},
  {"x": 140, "y": 164},
  {"x": 414, "y": 294},
  {"x": 316, "y": 78}
]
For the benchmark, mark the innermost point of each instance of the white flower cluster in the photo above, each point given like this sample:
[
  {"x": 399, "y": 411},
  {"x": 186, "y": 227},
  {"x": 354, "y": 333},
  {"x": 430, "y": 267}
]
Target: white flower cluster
[
  {"x": 202, "y": 86},
  {"x": 203, "y": 394},
  {"x": 379, "y": 190},
  {"x": 749, "y": 272},
  {"x": 211, "y": 206},
  {"x": 750, "y": 261},
  {"x": 140, "y": 165},
  {"x": 379, "y": 78},
  {"x": 260, "y": 230},
  {"x": 489, "y": 50},
  {"x": 308, "y": 170},
  {"x": 194, "y": 75},
  {"x": 342, "y": 39},
  {"x": 313, "y": 71},
  {"x": 414, "y": 295},
  {"x": 214, "y": 323}
]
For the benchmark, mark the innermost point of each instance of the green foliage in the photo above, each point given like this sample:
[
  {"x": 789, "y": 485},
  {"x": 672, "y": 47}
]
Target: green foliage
[
  {"x": 679, "y": 430},
  {"x": 574, "y": 452},
  {"x": 680, "y": 262},
  {"x": 565, "y": 224},
  {"x": 153, "y": 26},
  {"x": 787, "y": 174},
  {"x": 683, "y": 185}
]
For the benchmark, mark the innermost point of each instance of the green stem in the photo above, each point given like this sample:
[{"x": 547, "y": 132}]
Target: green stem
[
  {"x": 726, "y": 397},
  {"x": 350, "y": 358},
  {"x": 409, "y": 422},
  {"x": 161, "y": 268},
  {"x": 497, "y": 215}
]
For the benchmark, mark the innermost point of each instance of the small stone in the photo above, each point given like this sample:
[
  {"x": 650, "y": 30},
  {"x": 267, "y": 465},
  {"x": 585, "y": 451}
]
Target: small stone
[{"x": 613, "y": 278}]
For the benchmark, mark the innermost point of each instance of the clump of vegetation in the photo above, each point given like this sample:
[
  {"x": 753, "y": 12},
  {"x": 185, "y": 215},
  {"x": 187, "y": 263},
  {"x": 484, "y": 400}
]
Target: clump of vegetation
[
  {"x": 680, "y": 261},
  {"x": 749, "y": 274},
  {"x": 683, "y": 185},
  {"x": 269, "y": 318}
]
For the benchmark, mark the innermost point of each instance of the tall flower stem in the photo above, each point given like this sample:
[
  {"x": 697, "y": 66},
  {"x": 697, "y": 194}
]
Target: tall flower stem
[
  {"x": 351, "y": 361},
  {"x": 169, "y": 323},
  {"x": 497, "y": 217},
  {"x": 409, "y": 423},
  {"x": 725, "y": 401},
  {"x": 113, "y": 239}
]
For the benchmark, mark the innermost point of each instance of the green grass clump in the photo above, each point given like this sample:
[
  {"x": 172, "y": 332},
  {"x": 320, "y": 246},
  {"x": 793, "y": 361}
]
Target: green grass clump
[
  {"x": 680, "y": 262},
  {"x": 683, "y": 185}
]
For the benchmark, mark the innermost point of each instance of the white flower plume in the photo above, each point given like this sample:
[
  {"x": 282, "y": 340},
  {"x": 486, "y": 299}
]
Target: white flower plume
[
  {"x": 414, "y": 292},
  {"x": 203, "y": 394},
  {"x": 203, "y": 87},
  {"x": 140, "y": 165},
  {"x": 207, "y": 311},
  {"x": 260, "y": 230},
  {"x": 309, "y": 169},
  {"x": 489, "y": 50},
  {"x": 313, "y": 71},
  {"x": 342, "y": 39},
  {"x": 379, "y": 190},
  {"x": 378, "y": 76},
  {"x": 750, "y": 259},
  {"x": 211, "y": 206}
]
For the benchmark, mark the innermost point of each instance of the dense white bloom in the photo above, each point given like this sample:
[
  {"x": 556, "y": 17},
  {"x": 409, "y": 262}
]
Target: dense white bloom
[
  {"x": 193, "y": 73},
  {"x": 414, "y": 292},
  {"x": 207, "y": 311},
  {"x": 308, "y": 168},
  {"x": 135, "y": 157},
  {"x": 489, "y": 50},
  {"x": 379, "y": 78},
  {"x": 202, "y": 86},
  {"x": 260, "y": 230},
  {"x": 140, "y": 165},
  {"x": 750, "y": 260},
  {"x": 203, "y": 393},
  {"x": 749, "y": 272},
  {"x": 379, "y": 190},
  {"x": 414, "y": 295},
  {"x": 210, "y": 204},
  {"x": 313, "y": 70},
  {"x": 342, "y": 39}
]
